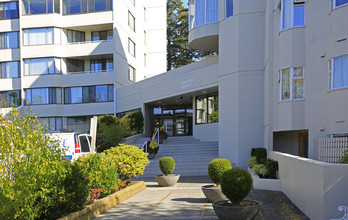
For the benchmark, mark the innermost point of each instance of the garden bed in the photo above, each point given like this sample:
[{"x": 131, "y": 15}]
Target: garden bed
[
  {"x": 264, "y": 183},
  {"x": 102, "y": 205}
]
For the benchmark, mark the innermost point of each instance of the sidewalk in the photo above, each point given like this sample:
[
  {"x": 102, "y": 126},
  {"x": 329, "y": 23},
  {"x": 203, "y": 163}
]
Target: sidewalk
[{"x": 186, "y": 201}]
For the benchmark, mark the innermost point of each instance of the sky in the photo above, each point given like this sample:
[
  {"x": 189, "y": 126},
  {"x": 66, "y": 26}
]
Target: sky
[{"x": 185, "y": 3}]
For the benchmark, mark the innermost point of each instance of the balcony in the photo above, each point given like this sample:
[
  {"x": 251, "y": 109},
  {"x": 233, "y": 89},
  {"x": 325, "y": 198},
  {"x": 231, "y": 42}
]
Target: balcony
[
  {"x": 87, "y": 19},
  {"x": 88, "y": 48},
  {"x": 203, "y": 25}
]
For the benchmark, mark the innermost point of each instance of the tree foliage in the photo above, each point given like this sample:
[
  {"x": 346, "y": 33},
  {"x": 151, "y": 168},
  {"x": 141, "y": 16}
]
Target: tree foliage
[{"x": 178, "y": 52}]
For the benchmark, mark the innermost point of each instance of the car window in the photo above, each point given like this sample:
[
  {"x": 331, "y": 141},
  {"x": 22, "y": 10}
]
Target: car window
[{"x": 84, "y": 143}]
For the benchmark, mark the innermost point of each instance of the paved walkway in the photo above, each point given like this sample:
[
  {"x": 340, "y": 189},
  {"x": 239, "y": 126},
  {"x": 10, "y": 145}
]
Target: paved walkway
[{"x": 186, "y": 201}]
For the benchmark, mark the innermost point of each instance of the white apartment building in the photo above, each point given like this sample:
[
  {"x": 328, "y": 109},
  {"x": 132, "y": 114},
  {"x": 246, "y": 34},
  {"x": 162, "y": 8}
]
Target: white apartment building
[
  {"x": 279, "y": 81},
  {"x": 65, "y": 58}
]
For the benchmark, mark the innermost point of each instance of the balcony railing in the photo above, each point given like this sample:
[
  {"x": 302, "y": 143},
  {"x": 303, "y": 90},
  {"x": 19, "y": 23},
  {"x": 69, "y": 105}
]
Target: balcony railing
[
  {"x": 89, "y": 42},
  {"x": 86, "y": 72},
  {"x": 203, "y": 12},
  {"x": 331, "y": 150}
]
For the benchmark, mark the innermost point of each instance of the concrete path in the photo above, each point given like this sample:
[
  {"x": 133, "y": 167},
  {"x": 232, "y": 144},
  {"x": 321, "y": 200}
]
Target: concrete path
[{"x": 186, "y": 201}]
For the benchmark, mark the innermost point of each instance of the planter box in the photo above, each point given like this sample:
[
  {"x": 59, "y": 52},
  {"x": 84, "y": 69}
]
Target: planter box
[
  {"x": 98, "y": 207},
  {"x": 265, "y": 184}
]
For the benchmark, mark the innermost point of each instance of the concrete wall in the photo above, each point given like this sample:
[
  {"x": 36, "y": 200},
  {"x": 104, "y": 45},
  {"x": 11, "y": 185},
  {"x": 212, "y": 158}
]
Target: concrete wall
[
  {"x": 317, "y": 188},
  {"x": 206, "y": 132}
]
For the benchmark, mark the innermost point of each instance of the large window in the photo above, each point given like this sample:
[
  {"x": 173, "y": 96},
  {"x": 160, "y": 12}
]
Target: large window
[
  {"x": 131, "y": 73},
  {"x": 203, "y": 12},
  {"x": 102, "y": 65},
  {"x": 75, "y": 66},
  {"x": 89, "y": 94},
  {"x": 41, "y": 66},
  {"x": 52, "y": 123},
  {"x": 8, "y": 10},
  {"x": 10, "y": 98},
  {"x": 131, "y": 21},
  {"x": 37, "y": 36},
  {"x": 131, "y": 47},
  {"x": 292, "y": 14},
  {"x": 207, "y": 109},
  {"x": 9, "y": 40},
  {"x": 86, "y": 6},
  {"x": 338, "y": 72},
  {"x": 291, "y": 84},
  {"x": 75, "y": 36},
  {"x": 229, "y": 8},
  {"x": 43, "y": 96},
  {"x": 338, "y": 3},
  {"x": 102, "y": 35},
  {"x": 10, "y": 69},
  {"x": 31, "y": 7}
]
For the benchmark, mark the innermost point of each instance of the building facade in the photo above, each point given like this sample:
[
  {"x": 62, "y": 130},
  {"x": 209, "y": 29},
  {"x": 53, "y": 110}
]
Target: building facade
[
  {"x": 65, "y": 58},
  {"x": 279, "y": 81}
]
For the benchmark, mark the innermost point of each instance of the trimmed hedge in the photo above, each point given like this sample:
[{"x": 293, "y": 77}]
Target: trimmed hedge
[
  {"x": 133, "y": 122},
  {"x": 236, "y": 184},
  {"x": 167, "y": 165},
  {"x": 217, "y": 167},
  {"x": 260, "y": 170},
  {"x": 261, "y": 155},
  {"x": 272, "y": 168}
]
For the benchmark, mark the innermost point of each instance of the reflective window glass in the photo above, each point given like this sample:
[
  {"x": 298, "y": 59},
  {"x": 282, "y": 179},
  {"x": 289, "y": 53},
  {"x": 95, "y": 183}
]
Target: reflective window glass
[
  {"x": 229, "y": 8},
  {"x": 37, "y": 6}
]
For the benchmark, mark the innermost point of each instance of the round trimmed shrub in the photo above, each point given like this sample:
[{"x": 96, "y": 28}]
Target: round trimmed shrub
[
  {"x": 217, "y": 167},
  {"x": 260, "y": 170},
  {"x": 167, "y": 165},
  {"x": 133, "y": 121},
  {"x": 272, "y": 168},
  {"x": 236, "y": 184},
  {"x": 252, "y": 162}
]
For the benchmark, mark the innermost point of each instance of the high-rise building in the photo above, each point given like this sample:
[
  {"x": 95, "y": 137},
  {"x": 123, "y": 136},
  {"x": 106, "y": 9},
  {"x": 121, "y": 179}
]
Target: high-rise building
[{"x": 65, "y": 58}]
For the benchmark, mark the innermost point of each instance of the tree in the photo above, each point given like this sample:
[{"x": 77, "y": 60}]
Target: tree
[{"x": 178, "y": 52}]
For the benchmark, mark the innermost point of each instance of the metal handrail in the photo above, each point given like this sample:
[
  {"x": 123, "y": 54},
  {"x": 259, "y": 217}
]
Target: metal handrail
[
  {"x": 144, "y": 146},
  {"x": 156, "y": 133}
]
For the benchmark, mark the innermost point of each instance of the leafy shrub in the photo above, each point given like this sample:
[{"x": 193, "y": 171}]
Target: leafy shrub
[
  {"x": 131, "y": 161},
  {"x": 30, "y": 167},
  {"x": 110, "y": 132},
  {"x": 152, "y": 147},
  {"x": 252, "y": 162},
  {"x": 252, "y": 153},
  {"x": 261, "y": 155},
  {"x": 167, "y": 165},
  {"x": 102, "y": 170},
  {"x": 133, "y": 122},
  {"x": 272, "y": 168},
  {"x": 217, "y": 167},
  {"x": 344, "y": 159},
  {"x": 260, "y": 170},
  {"x": 236, "y": 184}
]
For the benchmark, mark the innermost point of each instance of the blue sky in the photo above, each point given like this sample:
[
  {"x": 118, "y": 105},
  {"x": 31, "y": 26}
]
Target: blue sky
[{"x": 185, "y": 3}]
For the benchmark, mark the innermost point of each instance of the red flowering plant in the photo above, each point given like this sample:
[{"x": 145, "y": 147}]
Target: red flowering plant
[
  {"x": 130, "y": 159},
  {"x": 94, "y": 194}
]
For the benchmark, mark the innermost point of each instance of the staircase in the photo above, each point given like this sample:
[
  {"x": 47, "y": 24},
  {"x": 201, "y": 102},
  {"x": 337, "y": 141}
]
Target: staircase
[{"x": 191, "y": 156}]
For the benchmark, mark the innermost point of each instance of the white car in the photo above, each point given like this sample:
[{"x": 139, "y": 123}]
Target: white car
[{"x": 74, "y": 144}]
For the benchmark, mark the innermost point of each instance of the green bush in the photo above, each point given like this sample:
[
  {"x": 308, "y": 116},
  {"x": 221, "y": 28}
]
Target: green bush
[
  {"x": 167, "y": 165},
  {"x": 260, "y": 170},
  {"x": 252, "y": 162},
  {"x": 102, "y": 171},
  {"x": 110, "y": 132},
  {"x": 261, "y": 155},
  {"x": 252, "y": 153},
  {"x": 131, "y": 161},
  {"x": 344, "y": 159},
  {"x": 72, "y": 195},
  {"x": 133, "y": 122},
  {"x": 236, "y": 184},
  {"x": 272, "y": 168},
  {"x": 31, "y": 167},
  {"x": 217, "y": 167}
]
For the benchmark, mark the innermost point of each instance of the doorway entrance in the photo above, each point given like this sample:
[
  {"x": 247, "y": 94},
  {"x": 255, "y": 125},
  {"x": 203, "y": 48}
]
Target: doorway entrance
[
  {"x": 177, "y": 121},
  {"x": 303, "y": 144}
]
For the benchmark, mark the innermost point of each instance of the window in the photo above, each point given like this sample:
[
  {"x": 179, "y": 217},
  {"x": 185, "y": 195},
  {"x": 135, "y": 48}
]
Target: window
[
  {"x": 52, "y": 123},
  {"x": 31, "y": 7},
  {"x": 75, "y": 66},
  {"x": 75, "y": 36},
  {"x": 229, "y": 8},
  {"x": 145, "y": 59},
  {"x": 86, "y": 6},
  {"x": 8, "y": 10},
  {"x": 338, "y": 72},
  {"x": 337, "y": 3},
  {"x": 9, "y": 40},
  {"x": 41, "y": 66},
  {"x": 102, "y": 35},
  {"x": 131, "y": 73},
  {"x": 207, "y": 109},
  {"x": 131, "y": 21},
  {"x": 102, "y": 65},
  {"x": 43, "y": 96},
  {"x": 292, "y": 14},
  {"x": 291, "y": 84},
  {"x": 131, "y": 47},
  {"x": 38, "y": 36},
  {"x": 89, "y": 94},
  {"x": 10, "y": 98},
  {"x": 10, "y": 70},
  {"x": 204, "y": 12}
]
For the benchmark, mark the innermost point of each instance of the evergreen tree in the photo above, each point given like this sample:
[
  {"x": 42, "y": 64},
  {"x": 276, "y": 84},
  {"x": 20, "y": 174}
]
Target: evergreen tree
[{"x": 178, "y": 52}]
